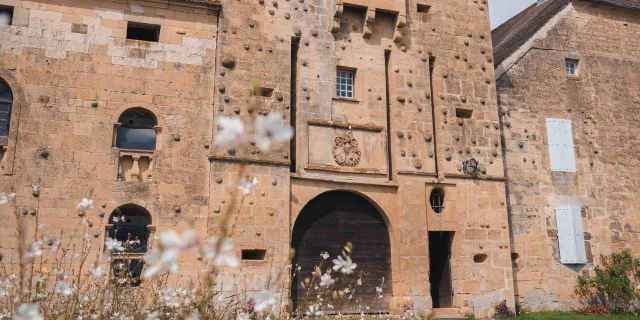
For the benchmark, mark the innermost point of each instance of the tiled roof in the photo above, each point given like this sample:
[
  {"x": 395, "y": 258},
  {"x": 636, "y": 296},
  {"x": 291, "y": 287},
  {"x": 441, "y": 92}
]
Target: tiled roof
[
  {"x": 512, "y": 34},
  {"x": 629, "y": 4}
]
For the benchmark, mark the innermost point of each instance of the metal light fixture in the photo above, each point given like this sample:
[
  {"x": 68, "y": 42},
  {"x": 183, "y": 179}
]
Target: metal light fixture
[{"x": 471, "y": 167}]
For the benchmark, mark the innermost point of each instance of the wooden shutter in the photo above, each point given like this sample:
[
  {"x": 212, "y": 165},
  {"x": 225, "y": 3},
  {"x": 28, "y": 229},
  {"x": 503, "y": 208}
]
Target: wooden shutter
[
  {"x": 570, "y": 235},
  {"x": 561, "y": 148},
  {"x": 568, "y": 155},
  {"x": 555, "y": 144}
]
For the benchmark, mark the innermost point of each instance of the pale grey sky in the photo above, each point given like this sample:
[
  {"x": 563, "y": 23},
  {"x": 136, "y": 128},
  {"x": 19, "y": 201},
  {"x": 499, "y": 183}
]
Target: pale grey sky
[{"x": 501, "y": 10}]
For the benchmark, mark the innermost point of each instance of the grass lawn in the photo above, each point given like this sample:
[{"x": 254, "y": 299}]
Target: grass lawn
[{"x": 573, "y": 315}]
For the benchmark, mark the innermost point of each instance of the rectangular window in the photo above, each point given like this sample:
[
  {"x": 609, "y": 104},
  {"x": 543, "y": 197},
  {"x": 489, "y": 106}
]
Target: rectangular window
[
  {"x": 344, "y": 83},
  {"x": 142, "y": 31},
  {"x": 464, "y": 113},
  {"x": 423, "y": 8},
  {"x": 258, "y": 254},
  {"x": 561, "y": 148},
  {"x": 570, "y": 235},
  {"x": 572, "y": 67},
  {"x": 6, "y": 15}
]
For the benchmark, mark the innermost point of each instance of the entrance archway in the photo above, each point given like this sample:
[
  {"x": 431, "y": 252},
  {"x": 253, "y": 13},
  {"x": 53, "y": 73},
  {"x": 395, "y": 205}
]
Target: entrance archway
[{"x": 327, "y": 223}]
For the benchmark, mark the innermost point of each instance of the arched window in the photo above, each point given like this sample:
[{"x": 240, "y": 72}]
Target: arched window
[
  {"x": 137, "y": 130},
  {"x": 130, "y": 224},
  {"x": 6, "y": 101},
  {"x": 436, "y": 199}
]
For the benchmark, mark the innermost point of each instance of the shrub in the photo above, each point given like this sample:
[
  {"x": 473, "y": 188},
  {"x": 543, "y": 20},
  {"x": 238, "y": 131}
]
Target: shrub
[
  {"x": 595, "y": 310},
  {"x": 614, "y": 283},
  {"x": 502, "y": 309}
]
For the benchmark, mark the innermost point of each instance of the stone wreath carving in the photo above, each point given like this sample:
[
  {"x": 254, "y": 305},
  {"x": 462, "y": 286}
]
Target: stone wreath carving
[{"x": 345, "y": 150}]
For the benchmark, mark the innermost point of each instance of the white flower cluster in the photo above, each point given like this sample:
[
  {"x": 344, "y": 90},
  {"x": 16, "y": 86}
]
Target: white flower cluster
[
  {"x": 267, "y": 130},
  {"x": 171, "y": 244}
]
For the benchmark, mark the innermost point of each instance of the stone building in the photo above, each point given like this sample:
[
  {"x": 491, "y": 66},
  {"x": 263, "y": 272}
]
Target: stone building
[
  {"x": 568, "y": 82},
  {"x": 397, "y": 147}
]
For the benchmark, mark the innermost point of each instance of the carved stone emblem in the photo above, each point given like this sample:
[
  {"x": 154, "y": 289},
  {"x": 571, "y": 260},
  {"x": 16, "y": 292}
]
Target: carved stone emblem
[{"x": 345, "y": 150}]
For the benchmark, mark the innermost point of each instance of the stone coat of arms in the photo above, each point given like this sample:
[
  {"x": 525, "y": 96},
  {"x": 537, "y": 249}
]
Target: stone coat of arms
[{"x": 345, "y": 150}]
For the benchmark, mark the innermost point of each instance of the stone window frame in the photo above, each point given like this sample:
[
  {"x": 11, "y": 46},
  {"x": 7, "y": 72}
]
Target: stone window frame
[
  {"x": 442, "y": 205},
  {"x": 151, "y": 227},
  {"x": 571, "y": 67},
  {"x": 338, "y": 91},
  {"x": 152, "y": 155},
  {"x": 8, "y": 144}
]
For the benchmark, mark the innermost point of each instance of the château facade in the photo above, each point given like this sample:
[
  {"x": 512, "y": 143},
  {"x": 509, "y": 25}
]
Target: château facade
[{"x": 398, "y": 144}]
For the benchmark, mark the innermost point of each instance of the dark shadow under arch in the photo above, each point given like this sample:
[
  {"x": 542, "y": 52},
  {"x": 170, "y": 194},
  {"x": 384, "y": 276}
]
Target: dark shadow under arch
[
  {"x": 327, "y": 223},
  {"x": 132, "y": 223}
]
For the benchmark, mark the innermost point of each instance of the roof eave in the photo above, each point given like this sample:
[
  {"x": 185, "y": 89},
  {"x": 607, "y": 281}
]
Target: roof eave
[{"x": 617, "y": 5}]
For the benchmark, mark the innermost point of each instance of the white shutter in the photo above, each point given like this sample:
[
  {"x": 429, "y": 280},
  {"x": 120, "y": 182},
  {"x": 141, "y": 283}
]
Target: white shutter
[
  {"x": 581, "y": 254},
  {"x": 568, "y": 155},
  {"x": 561, "y": 148},
  {"x": 570, "y": 235},
  {"x": 555, "y": 144}
]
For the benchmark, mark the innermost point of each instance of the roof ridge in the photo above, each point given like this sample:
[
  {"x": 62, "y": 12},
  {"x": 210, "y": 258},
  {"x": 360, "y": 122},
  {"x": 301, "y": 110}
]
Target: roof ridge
[{"x": 512, "y": 34}]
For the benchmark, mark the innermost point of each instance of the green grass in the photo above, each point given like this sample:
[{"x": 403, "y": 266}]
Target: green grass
[{"x": 572, "y": 315}]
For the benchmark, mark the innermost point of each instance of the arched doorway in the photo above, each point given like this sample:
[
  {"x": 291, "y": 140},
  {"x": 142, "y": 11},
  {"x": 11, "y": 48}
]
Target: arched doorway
[
  {"x": 327, "y": 223},
  {"x": 130, "y": 224}
]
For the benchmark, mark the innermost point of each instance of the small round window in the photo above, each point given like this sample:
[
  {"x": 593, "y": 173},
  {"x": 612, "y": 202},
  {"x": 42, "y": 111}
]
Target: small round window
[{"x": 437, "y": 200}]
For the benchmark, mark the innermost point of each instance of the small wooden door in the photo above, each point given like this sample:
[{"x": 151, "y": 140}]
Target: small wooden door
[{"x": 327, "y": 223}]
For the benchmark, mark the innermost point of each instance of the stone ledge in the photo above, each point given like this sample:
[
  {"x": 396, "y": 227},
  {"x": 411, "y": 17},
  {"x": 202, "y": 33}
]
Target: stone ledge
[
  {"x": 221, "y": 157},
  {"x": 346, "y": 125},
  {"x": 468, "y": 176}
]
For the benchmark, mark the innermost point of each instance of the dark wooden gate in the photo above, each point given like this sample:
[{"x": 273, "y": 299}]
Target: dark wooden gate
[{"x": 327, "y": 223}]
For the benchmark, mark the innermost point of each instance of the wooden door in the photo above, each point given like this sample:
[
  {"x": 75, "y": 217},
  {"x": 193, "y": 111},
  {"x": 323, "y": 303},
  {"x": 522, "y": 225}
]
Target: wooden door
[{"x": 327, "y": 223}]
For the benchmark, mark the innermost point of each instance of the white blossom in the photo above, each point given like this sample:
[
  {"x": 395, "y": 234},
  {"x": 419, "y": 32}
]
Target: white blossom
[
  {"x": 326, "y": 281},
  {"x": 359, "y": 282},
  {"x": 378, "y": 289},
  {"x": 6, "y": 198},
  {"x": 271, "y": 129},
  {"x": 245, "y": 186},
  {"x": 28, "y": 311},
  {"x": 85, "y": 204},
  {"x": 243, "y": 316},
  {"x": 34, "y": 251},
  {"x": 64, "y": 288},
  {"x": 193, "y": 316},
  {"x": 265, "y": 300},
  {"x": 232, "y": 133},
  {"x": 345, "y": 266},
  {"x": 324, "y": 255},
  {"x": 96, "y": 272},
  {"x": 226, "y": 256},
  {"x": 314, "y": 311},
  {"x": 171, "y": 245},
  {"x": 113, "y": 244}
]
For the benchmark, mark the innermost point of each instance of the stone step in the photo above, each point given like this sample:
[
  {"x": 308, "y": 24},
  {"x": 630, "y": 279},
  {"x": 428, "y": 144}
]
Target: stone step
[{"x": 446, "y": 311}]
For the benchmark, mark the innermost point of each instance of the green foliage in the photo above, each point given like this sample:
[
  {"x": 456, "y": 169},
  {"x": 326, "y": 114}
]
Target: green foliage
[
  {"x": 558, "y": 315},
  {"x": 614, "y": 284}
]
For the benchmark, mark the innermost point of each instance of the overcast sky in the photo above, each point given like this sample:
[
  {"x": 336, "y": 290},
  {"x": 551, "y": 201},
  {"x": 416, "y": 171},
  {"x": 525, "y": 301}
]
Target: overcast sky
[{"x": 501, "y": 10}]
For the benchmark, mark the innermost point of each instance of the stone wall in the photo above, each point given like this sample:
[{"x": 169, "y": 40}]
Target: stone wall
[
  {"x": 73, "y": 73},
  {"x": 602, "y": 103},
  {"x": 424, "y": 103}
]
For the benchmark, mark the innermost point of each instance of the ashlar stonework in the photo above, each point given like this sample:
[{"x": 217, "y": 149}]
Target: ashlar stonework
[{"x": 421, "y": 101}]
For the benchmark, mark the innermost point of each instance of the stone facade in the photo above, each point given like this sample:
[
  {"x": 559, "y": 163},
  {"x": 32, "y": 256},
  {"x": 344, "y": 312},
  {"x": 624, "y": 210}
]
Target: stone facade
[
  {"x": 424, "y": 102},
  {"x": 602, "y": 102}
]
